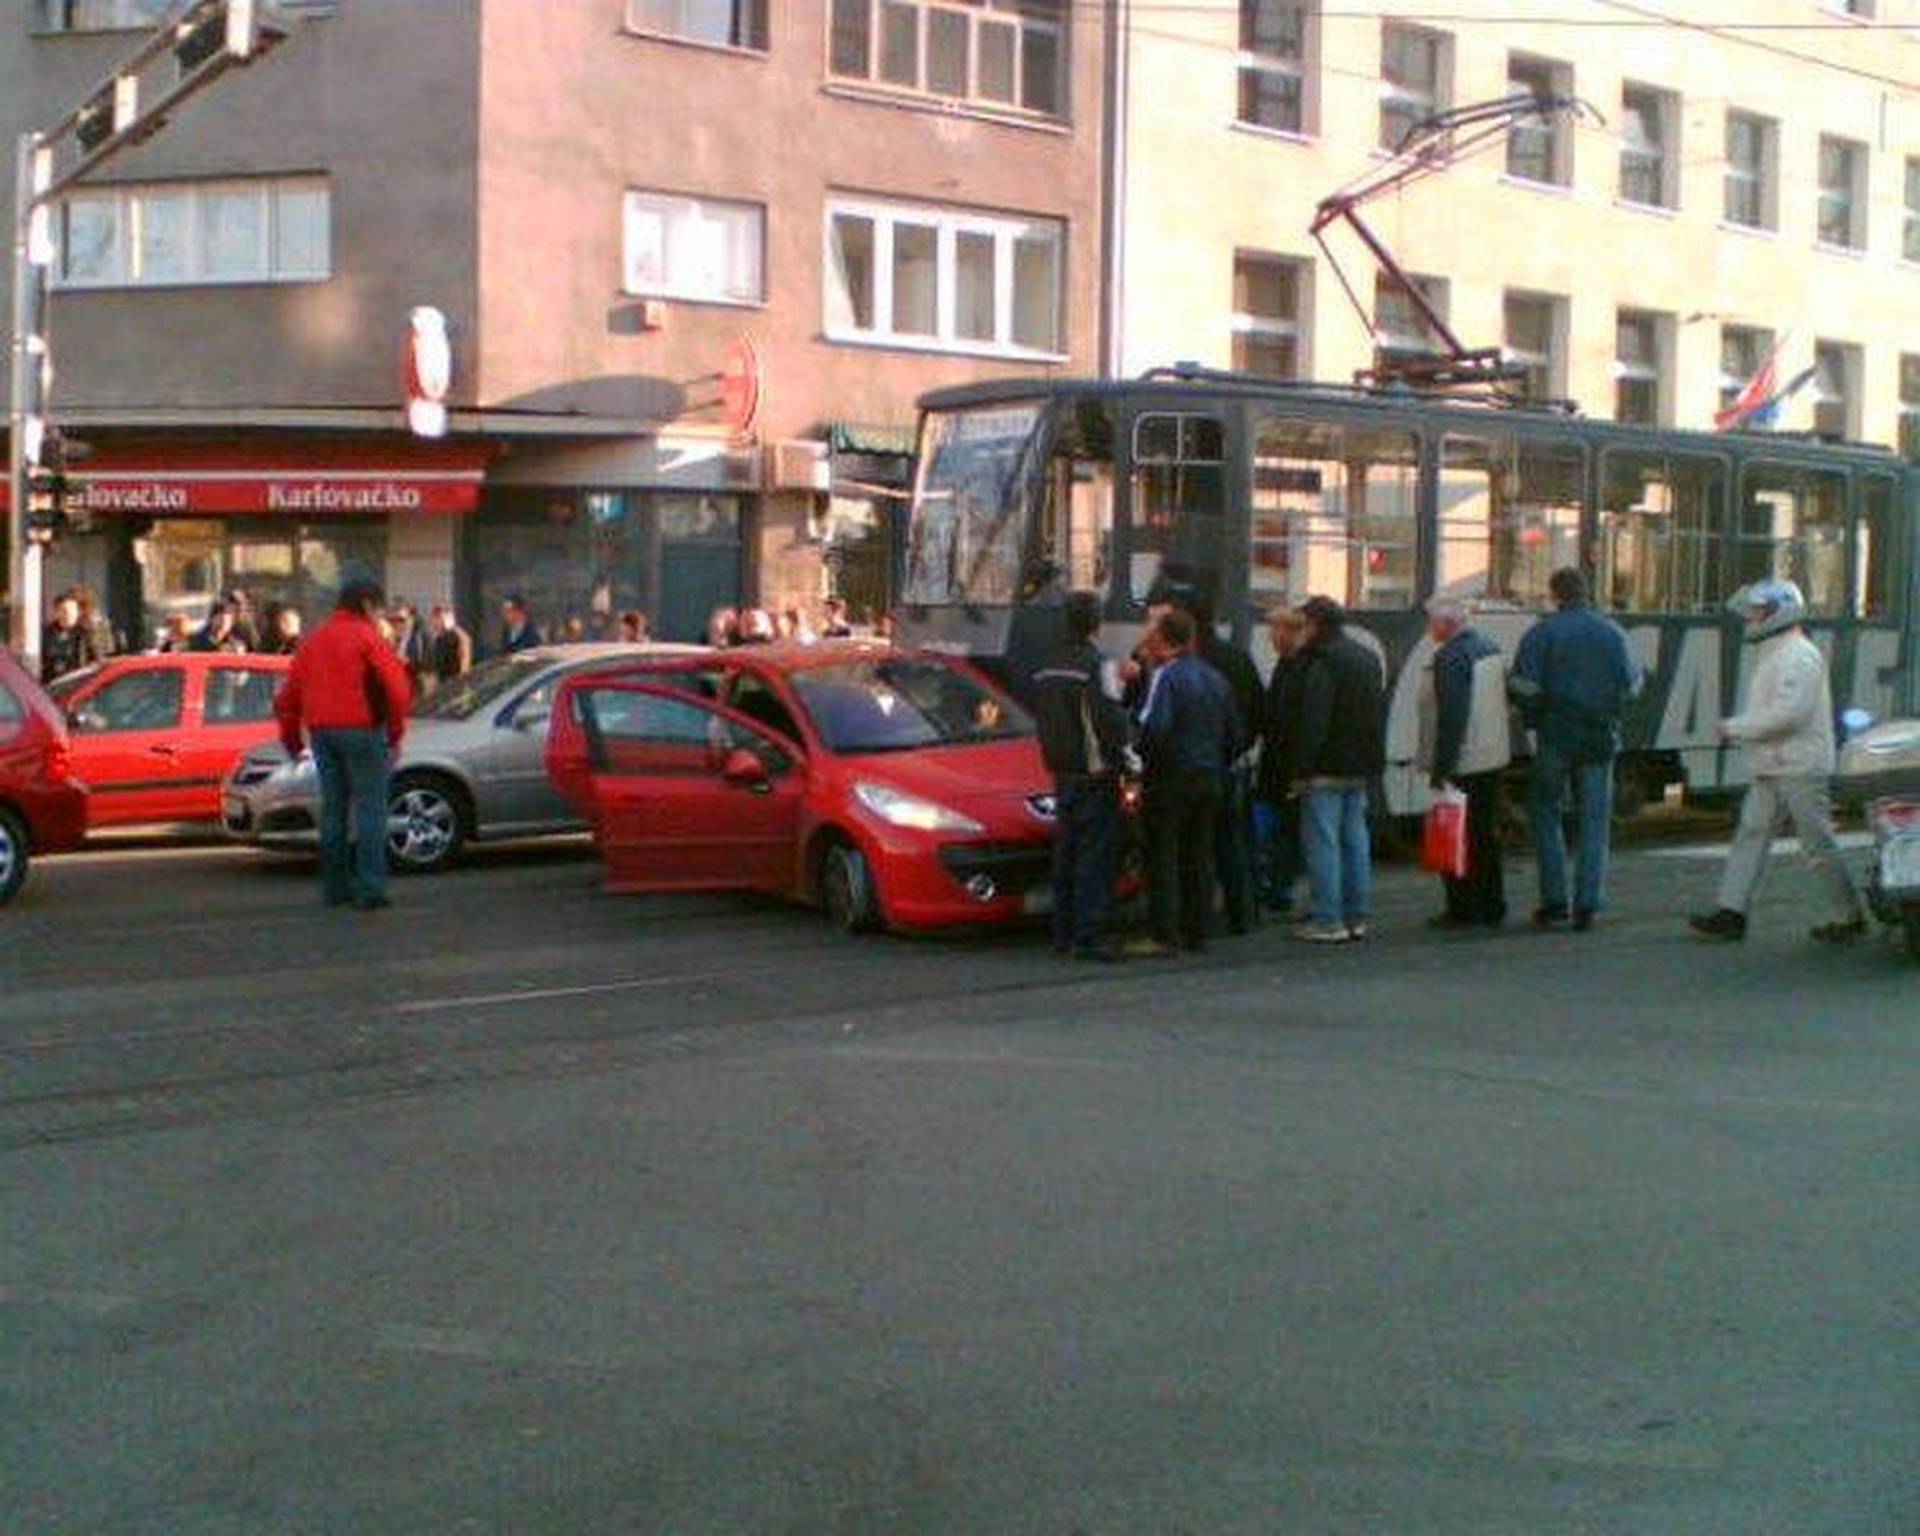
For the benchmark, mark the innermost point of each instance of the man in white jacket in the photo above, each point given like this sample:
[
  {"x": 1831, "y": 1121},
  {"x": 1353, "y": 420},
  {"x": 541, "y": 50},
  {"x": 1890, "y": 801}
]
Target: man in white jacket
[{"x": 1787, "y": 729}]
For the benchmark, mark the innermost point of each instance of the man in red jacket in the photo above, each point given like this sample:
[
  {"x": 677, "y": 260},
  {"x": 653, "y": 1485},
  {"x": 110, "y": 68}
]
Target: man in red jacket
[{"x": 351, "y": 692}]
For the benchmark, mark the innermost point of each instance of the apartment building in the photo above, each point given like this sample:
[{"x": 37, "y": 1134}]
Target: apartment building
[
  {"x": 1735, "y": 190},
  {"x": 696, "y": 258}
]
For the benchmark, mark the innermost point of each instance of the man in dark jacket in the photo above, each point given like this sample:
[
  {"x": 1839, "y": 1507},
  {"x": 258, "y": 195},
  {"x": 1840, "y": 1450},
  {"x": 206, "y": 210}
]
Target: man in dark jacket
[
  {"x": 1338, "y": 749},
  {"x": 1187, "y": 733},
  {"x": 518, "y": 632},
  {"x": 1572, "y": 678},
  {"x": 1277, "y": 813},
  {"x": 1464, "y": 744},
  {"x": 66, "y": 645},
  {"x": 1083, "y": 737},
  {"x": 1233, "y": 837}
]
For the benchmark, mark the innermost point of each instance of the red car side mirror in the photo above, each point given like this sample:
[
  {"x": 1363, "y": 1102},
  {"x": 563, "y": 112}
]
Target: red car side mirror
[{"x": 745, "y": 769}]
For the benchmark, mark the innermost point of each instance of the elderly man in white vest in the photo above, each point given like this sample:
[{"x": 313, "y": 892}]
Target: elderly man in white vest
[
  {"x": 1787, "y": 729},
  {"x": 1465, "y": 741}
]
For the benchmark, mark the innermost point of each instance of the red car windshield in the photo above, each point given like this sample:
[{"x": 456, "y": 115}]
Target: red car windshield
[{"x": 897, "y": 705}]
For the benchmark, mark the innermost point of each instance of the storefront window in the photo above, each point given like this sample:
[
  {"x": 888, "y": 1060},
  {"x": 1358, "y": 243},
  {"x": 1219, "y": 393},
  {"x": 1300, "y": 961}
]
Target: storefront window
[{"x": 187, "y": 562}]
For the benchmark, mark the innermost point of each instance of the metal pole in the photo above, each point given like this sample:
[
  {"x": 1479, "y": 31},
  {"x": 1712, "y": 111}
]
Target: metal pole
[{"x": 23, "y": 556}]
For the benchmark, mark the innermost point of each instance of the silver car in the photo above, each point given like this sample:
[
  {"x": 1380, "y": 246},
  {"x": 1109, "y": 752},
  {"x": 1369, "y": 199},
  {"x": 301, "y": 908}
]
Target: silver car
[{"x": 472, "y": 768}]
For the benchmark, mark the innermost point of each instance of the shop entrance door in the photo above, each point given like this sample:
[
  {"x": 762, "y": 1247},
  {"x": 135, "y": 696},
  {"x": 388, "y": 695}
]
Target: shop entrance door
[{"x": 695, "y": 579}]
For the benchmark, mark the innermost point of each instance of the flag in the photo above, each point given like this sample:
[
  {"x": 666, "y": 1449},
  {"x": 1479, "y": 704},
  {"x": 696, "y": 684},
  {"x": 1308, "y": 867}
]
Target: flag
[
  {"x": 1768, "y": 414},
  {"x": 1753, "y": 399}
]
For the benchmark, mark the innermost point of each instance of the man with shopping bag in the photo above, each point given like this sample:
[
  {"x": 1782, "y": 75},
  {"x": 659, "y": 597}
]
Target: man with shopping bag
[{"x": 1465, "y": 746}]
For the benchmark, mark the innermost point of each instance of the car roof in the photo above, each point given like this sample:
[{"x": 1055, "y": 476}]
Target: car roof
[{"x": 611, "y": 650}]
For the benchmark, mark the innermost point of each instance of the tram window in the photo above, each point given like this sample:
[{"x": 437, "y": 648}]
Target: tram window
[
  {"x": 1334, "y": 514},
  {"x": 971, "y": 506},
  {"x": 1660, "y": 540},
  {"x": 1077, "y": 530},
  {"x": 1793, "y": 523},
  {"x": 1874, "y": 555},
  {"x": 1179, "y": 501},
  {"x": 1509, "y": 517}
]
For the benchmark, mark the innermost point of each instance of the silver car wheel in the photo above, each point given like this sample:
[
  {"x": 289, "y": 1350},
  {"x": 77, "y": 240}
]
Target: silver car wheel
[
  {"x": 423, "y": 826},
  {"x": 13, "y": 855}
]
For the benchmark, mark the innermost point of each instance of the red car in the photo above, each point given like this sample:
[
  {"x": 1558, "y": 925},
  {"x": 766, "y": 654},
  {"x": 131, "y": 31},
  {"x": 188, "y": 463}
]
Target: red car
[
  {"x": 893, "y": 788},
  {"x": 43, "y": 808},
  {"x": 155, "y": 736}
]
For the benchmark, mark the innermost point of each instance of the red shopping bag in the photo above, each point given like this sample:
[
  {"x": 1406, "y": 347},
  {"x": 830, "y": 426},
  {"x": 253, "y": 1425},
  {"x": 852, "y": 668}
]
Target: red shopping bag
[{"x": 1443, "y": 841}]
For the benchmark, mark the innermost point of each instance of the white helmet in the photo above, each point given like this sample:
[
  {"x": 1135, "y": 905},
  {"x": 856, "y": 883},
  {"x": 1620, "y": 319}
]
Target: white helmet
[{"x": 1769, "y": 606}]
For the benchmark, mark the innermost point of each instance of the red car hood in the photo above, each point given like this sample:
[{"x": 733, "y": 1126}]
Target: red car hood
[{"x": 990, "y": 774}]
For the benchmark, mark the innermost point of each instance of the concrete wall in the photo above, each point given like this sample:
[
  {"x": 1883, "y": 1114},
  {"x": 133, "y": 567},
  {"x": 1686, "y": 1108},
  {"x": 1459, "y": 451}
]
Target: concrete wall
[
  {"x": 381, "y": 97},
  {"x": 1486, "y": 233},
  {"x": 639, "y": 112}
]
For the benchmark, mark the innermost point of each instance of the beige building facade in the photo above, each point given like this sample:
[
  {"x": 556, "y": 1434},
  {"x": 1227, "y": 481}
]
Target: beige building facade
[{"x": 1747, "y": 180}]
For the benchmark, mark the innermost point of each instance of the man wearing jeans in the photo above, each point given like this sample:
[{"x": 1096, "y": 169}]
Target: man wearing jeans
[
  {"x": 1338, "y": 747},
  {"x": 350, "y": 692},
  {"x": 1572, "y": 679}
]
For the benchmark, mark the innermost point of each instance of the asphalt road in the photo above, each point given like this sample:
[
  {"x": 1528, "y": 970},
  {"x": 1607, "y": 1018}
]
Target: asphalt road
[{"x": 522, "y": 1208}]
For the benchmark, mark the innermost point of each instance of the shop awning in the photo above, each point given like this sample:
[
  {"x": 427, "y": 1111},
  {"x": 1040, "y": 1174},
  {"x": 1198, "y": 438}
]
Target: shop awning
[{"x": 285, "y": 478}]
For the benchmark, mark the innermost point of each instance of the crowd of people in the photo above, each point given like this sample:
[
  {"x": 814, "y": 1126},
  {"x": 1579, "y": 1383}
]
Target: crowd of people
[{"x": 1244, "y": 787}]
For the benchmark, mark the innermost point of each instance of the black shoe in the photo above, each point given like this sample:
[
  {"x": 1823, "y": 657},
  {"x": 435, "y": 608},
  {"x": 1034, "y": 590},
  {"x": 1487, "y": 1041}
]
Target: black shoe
[
  {"x": 1550, "y": 917},
  {"x": 1839, "y": 933},
  {"x": 1582, "y": 919},
  {"x": 1723, "y": 923}
]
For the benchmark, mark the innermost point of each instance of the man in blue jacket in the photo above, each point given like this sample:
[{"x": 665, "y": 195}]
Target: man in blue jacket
[{"x": 1572, "y": 679}]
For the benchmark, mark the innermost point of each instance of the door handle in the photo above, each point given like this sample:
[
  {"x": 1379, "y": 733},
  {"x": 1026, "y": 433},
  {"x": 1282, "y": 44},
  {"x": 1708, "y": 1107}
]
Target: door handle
[{"x": 161, "y": 749}]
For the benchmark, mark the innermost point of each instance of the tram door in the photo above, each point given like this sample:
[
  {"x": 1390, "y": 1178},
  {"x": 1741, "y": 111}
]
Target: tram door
[{"x": 1179, "y": 530}]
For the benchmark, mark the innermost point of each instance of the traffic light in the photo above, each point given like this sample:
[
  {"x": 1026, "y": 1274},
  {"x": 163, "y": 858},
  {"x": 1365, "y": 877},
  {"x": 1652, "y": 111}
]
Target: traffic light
[{"x": 46, "y": 517}]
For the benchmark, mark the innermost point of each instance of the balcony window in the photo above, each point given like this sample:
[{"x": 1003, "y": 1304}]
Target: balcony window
[
  {"x": 1268, "y": 306},
  {"x": 720, "y": 23},
  {"x": 1415, "y": 63},
  {"x": 944, "y": 279},
  {"x": 171, "y": 234},
  {"x": 1752, "y": 170},
  {"x": 1000, "y": 54},
  {"x": 1648, "y": 165},
  {"x": 1273, "y": 64},
  {"x": 1843, "y": 193},
  {"x": 1539, "y": 148},
  {"x": 1401, "y": 333},
  {"x": 694, "y": 248}
]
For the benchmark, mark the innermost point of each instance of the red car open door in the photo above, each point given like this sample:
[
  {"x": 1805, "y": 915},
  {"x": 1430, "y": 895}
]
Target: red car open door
[{"x": 685, "y": 794}]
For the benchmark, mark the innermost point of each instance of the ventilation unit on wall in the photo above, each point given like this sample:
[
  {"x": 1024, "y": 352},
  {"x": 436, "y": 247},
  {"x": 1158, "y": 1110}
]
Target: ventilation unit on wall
[{"x": 798, "y": 464}]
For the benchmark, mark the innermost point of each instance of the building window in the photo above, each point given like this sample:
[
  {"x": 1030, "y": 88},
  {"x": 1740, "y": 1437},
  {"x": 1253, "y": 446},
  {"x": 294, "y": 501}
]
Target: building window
[
  {"x": 1536, "y": 330},
  {"x": 1273, "y": 64},
  {"x": 1753, "y": 159},
  {"x": 1910, "y": 231},
  {"x": 1639, "y": 367},
  {"x": 102, "y": 15},
  {"x": 1269, "y": 301},
  {"x": 944, "y": 279},
  {"x": 999, "y": 53},
  {"x": 1744, "y": 350},
  {"x": 1649, "y": 128},
  {"x": 1910, "y": 405},
  {"x": 1400, "y": 332},
  {"x": 162, "y": 234},
  {"x": 721, "y": 23},
  {"x": 1861, "y": 8},
  {"x": 1539, "y": 148},
  {"x": 1843, "y": 193},
  {"x": 694, "y": 248},
  {"x": 1836, "y": 390},
  {"x": 1414, "y": 66}
]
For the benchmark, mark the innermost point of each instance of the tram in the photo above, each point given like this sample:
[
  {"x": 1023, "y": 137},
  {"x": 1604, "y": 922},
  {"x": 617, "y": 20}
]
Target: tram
[{"x": 1261, "y": 493}]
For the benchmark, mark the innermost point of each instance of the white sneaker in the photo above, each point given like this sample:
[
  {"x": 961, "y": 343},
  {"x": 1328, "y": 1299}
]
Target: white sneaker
[{"x": 1323, "y": 933}]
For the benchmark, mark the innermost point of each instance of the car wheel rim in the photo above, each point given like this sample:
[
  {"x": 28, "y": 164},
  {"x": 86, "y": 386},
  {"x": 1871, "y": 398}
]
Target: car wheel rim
[
  {"x": 9, "y": 855},
  {"x": 420, "y": 826}
]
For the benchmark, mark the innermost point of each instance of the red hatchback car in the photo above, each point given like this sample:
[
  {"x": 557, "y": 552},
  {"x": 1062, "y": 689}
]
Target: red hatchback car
[
  {"x": 155, "y": 736},
  {"x": 43, "y": 808},
  {"x": 893, "y": 788}
]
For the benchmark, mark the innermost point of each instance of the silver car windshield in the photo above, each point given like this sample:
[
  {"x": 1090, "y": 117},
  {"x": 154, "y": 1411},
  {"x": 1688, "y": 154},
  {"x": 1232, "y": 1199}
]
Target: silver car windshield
[{"x": 486, "y": 684}]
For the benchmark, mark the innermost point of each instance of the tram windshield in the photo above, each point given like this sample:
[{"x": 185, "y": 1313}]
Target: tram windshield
[{"x": 968, "y": 538}]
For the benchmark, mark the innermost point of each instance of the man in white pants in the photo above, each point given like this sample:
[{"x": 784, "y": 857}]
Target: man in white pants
[{"x": 1787, "y": 729}]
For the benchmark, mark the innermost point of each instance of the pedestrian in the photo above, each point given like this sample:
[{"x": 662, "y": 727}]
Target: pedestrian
[
  {"x": 518, "y": 632},
  {"x": 223, "y": 630},
  {"x": 450, "y": 648},
  {"x": 1787, "y": 729},
  {"x": 573, "y": 629},
  {"x": 105, "y": 642},
  {"x": 1465, "y": 744},
  {"x": 833, "y": 623},
  {"x": 755, "y": 628},
  {"x": 1233, "y": 837},
  {"x": 246, "y": 625},
  {"x": 283, "y": 631},
  {"x": 1572, "y": 678},
  {"x": 1187, "y": 734},
  {"x": 66, "y": 644},
  {"x": 176, "y": 633},
  {"x": 409, "y": 641},
  {"x": 349, "y": 691},
  {"x": 1276, "y": 811},
  {"x": 1083, "y": 737},
  {"x": 1338, "y": 747},
  {"x": 635, "y": 628}
]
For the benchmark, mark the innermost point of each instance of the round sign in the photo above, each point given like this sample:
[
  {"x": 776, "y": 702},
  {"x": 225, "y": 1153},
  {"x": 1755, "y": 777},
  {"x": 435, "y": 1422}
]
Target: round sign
[{"x": 740, "y": 385}]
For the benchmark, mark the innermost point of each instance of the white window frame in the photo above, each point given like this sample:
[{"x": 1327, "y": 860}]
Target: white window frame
[
  {"x": 1426, "y": 104},
  {"x": 1763, "y": 178},
  {"x": 1851, "y": 358},
  {"x": 1659, "y": 372},
  {"x": 948, "y": 224},
  {"x": 1295, "y": 329},
  {"x": 640, "y": 26},
  {"x": 1664, "y": 157},
  {"x": 1301, "y": 70},
  {"x": 1910, "y": 205},
  {"x": 1856, "y": 194},
  {"x": 637, "y": 199},
  {"x": 978, "y": 15},
  {"x": 129, "y": 199},
  {"x": 1552, "y": 362},
  {"x": 128, "y": 16},
  {"x": 1560, "y": 140}
]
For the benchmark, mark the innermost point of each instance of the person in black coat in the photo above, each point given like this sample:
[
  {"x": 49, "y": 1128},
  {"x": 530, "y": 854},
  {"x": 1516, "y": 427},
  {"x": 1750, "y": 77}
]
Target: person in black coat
[
  {"x": 1233, "y": 837},
  {"x": 1276, "y": 811}
]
